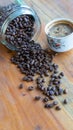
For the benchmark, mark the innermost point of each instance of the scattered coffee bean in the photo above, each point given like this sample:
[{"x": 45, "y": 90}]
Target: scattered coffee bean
[
  {"x": 62, "y": 74},
  {"x": 20, "y": 86},
  {"x": 60, "y": 91},
  {"x": 51, "y": 92},
  {"x": 28, "y": 78},
  {"x": 58, "y": 108},
  {"x": 55, "y": 103},
  {"x": 48, "y": 105},
  {"x": 51, "y": 97},
  {"x": 56, "y": 93},
  {"x": 37, "y": 98},
  {"x": 65, "y": 101},
  {"x": 46, "y": 99},
  {"x": 59, "y": 76},
  {"x": 65, "y": 91},
  {"x": 30, "y": 88},
  {"x": 55, "y": 71}
]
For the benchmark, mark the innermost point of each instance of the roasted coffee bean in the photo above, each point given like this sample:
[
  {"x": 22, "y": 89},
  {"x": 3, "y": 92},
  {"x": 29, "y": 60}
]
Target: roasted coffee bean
[
  {"x": 49, "y": 88},
  {"x": 57, "y": 86},
  {"x": 30, "y": 88},
  {"x": 45, "y": 91},
  {"x": 53, "y": 88},
  {"x": 55, "y": 103},
  {"x": 65, "y": 91},
  {"x": 43, "y": 80},
  {"x": 55, "y": 82},
  {"x": 52, "y": 79},
  {"x": 48, "y": 105},
  {"x": 59, "y": 76},
  {"x": 53, "y": 75},
  {"x": 46, "y": 73},
  {"x": 62, "y": 74},
  {"x": 51, "y": 97},
  {"x": 20, "y": 86},
  {"x": 51, "y": 92},
  {"x": 46, "y": 99},
  {"x": 51, "y": 68},
  {"x": 65, "y": 101},
  {"x": 55, "y": 71},
  {"x": 28, "y": 78},
  {"x": 60, "y": 91},
  {"x": 37, "y": 98},
  {"x": 25, "y": 78},
  {"x": 56, "y": 66},
  {"x": 56, "y": 93},
  {"x": 58, "y": 108},
  {"x": 42, "y": 88}
]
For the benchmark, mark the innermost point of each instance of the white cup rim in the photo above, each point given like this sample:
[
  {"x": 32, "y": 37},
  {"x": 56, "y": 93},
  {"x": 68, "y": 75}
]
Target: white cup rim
[{"x": 58, "y": 20}]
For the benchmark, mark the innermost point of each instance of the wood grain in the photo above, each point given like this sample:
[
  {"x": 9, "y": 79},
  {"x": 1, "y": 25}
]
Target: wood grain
[{"x": 19, "y": 112}]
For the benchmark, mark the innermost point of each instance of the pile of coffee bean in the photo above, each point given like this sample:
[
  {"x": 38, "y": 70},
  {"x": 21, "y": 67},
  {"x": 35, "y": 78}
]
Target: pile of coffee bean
[
  {"x": 32, "y": 60},
  {"x": 20, "y": 30}
]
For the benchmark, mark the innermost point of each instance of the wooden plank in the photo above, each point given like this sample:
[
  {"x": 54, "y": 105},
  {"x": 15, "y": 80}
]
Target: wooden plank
[{"x": 19, "y": 112}]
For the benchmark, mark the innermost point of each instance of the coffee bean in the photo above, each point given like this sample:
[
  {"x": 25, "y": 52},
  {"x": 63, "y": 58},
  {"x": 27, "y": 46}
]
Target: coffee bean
[
  {"x": 45, "y": 91},
  {"x": 48, "y": 105},
  {"x": 58, "y": 108},
  {"x": 46, "y": 99},
  {"x": 60, "y": 91},
  {"x": 54, "y": 89},
  {"x": 28, "y": 78},
  {"x": 65, "y": 101},
  {"x": 62, "y": 74},
  {"x": 30, "y": 88},
  {"x": 51, "y": 68},
  {"x": 55, "y": 103},
  {"x": 51, "y": 97},
  {"x": 37, "y": 98},
  {"x": 55, "y": 71},
  {"x": 20, "y": 86},
  {"x": 65, "y": 91},
  {"x": 51, "y": 92},
  {"x": 25, "y": 78},
  {"x": 42, "y": 88},
  {"x": 59, "y": 76},
  {"x": 43, "y": 80},
  {"x": 46, "y": 73},
  {"x": 56, "y": 93}
]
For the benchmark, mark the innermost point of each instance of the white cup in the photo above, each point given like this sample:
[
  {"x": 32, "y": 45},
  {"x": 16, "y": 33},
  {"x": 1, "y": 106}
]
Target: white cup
[{"x": 59, "y": 44}]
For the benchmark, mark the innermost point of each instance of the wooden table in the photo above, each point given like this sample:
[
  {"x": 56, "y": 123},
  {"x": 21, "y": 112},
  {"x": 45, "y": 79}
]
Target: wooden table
[{"x": 19, "y": 112}]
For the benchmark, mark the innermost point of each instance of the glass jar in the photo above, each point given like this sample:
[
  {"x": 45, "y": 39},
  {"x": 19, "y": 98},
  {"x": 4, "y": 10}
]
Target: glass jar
[{"x": 9, "y": 10}]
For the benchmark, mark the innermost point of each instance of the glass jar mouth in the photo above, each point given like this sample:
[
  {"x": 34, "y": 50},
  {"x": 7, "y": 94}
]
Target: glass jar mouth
[{"x": 22, "y": 10}]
